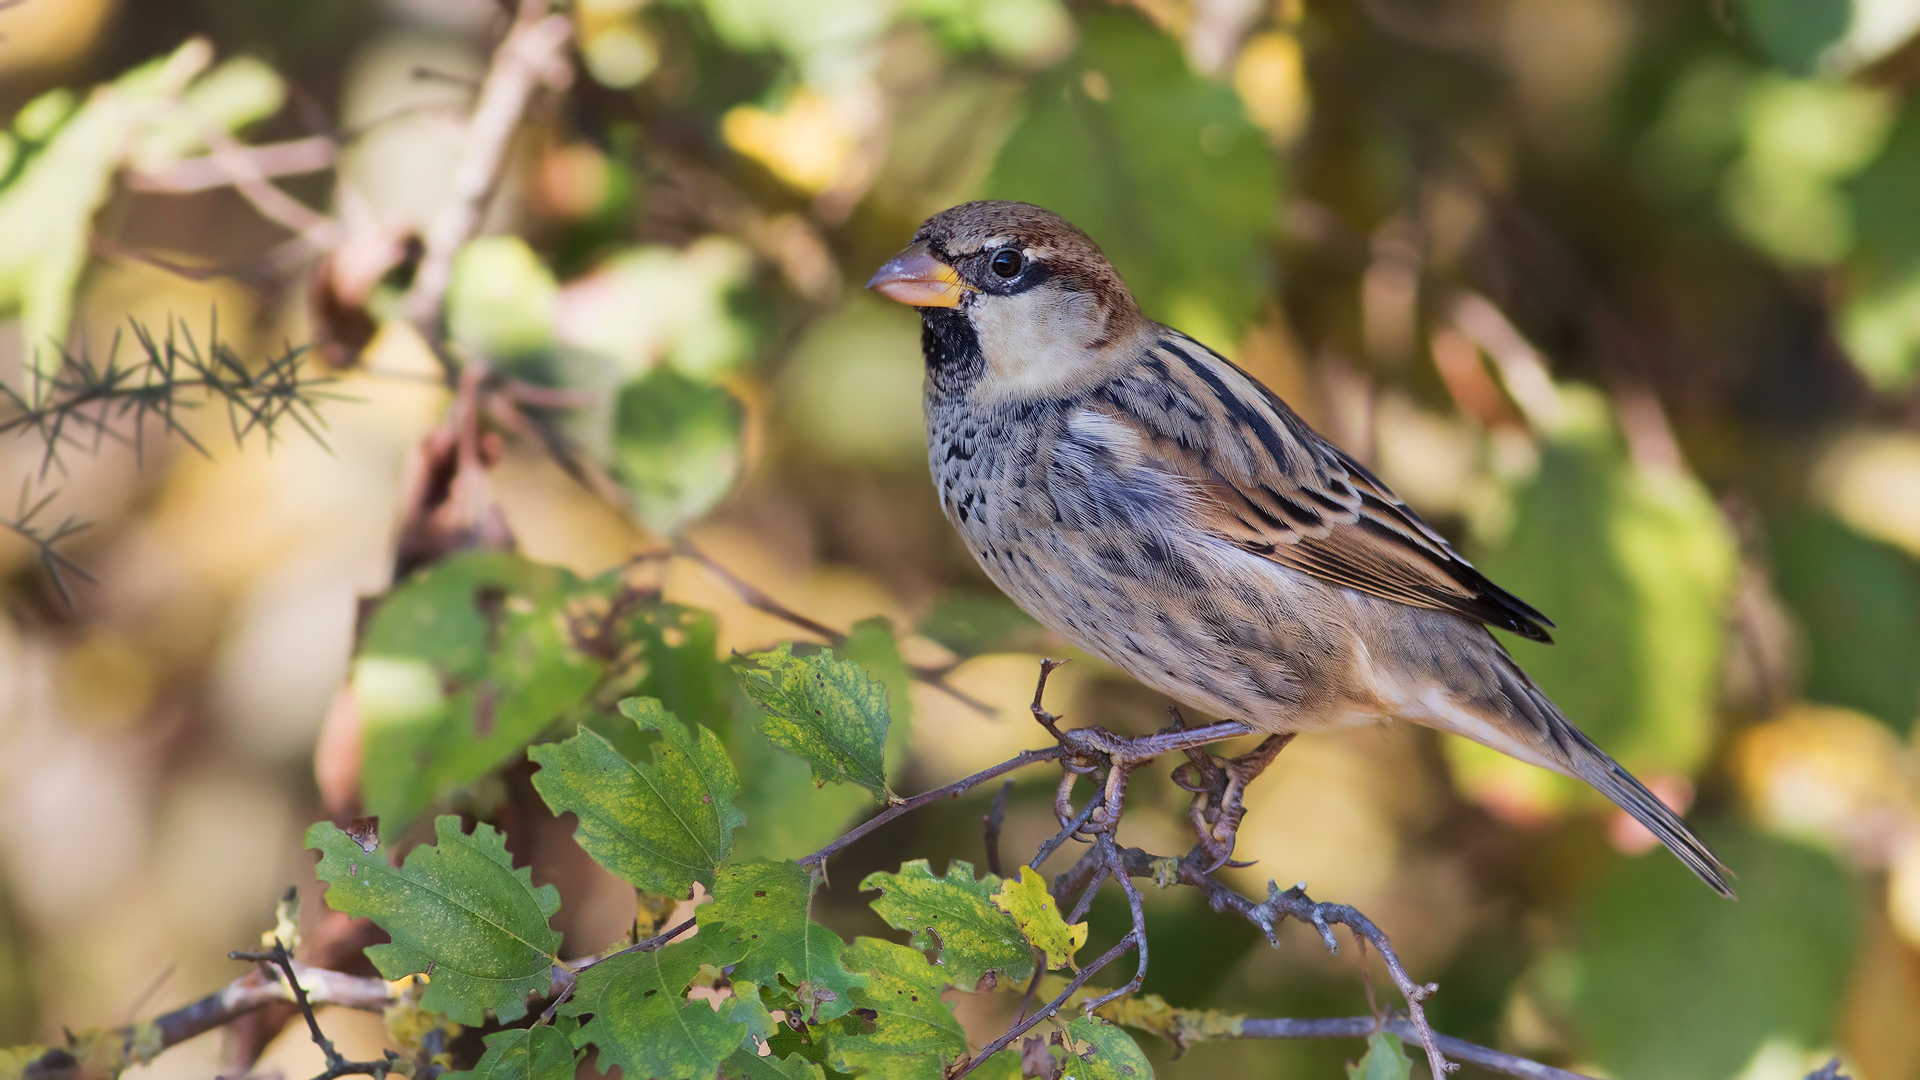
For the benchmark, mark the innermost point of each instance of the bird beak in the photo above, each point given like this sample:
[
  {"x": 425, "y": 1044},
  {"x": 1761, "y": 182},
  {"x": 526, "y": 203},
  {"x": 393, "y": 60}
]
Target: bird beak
[{"x": 915, "y": 277}]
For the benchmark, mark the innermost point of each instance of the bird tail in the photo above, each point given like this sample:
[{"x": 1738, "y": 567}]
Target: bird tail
[{"x": 1579, "y": 756}]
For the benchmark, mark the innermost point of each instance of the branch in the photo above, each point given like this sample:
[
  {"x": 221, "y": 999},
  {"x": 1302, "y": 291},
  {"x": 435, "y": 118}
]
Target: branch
[
  {"x": 292, "y": 158},
  {"x": 531, "y": 55},
  {"x": 1296, "y": 904},
  {"x": 1359, "y": 1027},
  {"x": 337, "y": 1064},
  {"x": 760, "y": 601},
  {"x": 951, "y": 791}
]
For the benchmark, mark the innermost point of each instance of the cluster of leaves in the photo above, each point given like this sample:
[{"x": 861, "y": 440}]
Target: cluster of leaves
[{"x": 760, "y": 989}]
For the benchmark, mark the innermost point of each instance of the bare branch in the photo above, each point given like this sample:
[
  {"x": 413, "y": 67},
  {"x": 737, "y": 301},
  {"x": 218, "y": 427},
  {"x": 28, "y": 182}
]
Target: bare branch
[
  {"x": 291, "y": 158},
  {"x": 1359, "y": 1027},
  {"x": 337, "y": 1064},
  {"x": 533, "y": 54}
]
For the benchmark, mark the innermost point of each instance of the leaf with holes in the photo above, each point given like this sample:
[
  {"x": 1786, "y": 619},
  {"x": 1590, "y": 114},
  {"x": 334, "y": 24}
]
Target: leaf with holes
[
  {"x": 643, "y": 1021},
  {"x": 829, "y": 712},
  {"x": 460, "y": 667},
  {"x": 1032, "y": 907},
  {"x": 903, "y": 1030},
  {"x": 662, "y": 826},
  {"x": 758, "y": 923},
  {"x": 458, "y": 908},
  {"x": 1098, "y": 1050},
  {"x": 536, "y": 1053},
  {"x": 956, "y": 915}
]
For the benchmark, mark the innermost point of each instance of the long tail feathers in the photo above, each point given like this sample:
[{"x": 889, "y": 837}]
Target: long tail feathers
[{"x": 1592, "y": 764}]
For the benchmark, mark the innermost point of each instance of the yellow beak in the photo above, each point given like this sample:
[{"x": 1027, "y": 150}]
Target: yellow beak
[{"x": 915, "y": 277}]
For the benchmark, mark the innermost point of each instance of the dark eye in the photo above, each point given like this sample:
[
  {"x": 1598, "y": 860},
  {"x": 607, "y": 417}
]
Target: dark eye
[{"x": 1007, "y": 262}]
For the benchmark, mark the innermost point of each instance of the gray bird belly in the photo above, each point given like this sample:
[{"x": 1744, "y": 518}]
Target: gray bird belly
[{"x": 1115, "y": 567}]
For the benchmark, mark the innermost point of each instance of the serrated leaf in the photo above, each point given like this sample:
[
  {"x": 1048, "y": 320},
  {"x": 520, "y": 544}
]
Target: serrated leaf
[
  {"x": 643, "y": 1021},
  {"x": 758, "y": 923},
  {"x": 1386, "y": 1059},
  {"x": 914, "y": 1034},
  {"x": 1146, "y": 1012},
  {"x": 974, "y": 935},
  {"x": 828, "y": 712},
  {"x": 661, "y": 827},
  {"x": 1098, "y": 1050},
  {"x": 536, "y": 1053},
  {"x": 1034, "y": 911},
  {"x": 460, "y": 667},
  {"x": 459, "y": 907},
  {"x": 748, "y": 1065}
]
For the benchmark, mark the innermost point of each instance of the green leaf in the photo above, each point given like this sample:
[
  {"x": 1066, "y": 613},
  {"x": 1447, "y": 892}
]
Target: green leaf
[
  {"x": 1638, "y": 565},
  {"x": 1385, "y": 1059},
  {"x": 1098, "y": 1050},
  {"x": 914, "y": 1034},
  {"x": 748, "y": 1065},
  {"x": 502, "y": 299},
  {"x": 1858, "y": 601},
  {"x": 1793, "y": 33},
  {"x": 1671, "y": 982},
  {"x": 460, "y": 667},
  {"x": 643, "y": 1021},
  {"x": 459, "y": 908},
  {"x": 871, "y": 644},
  {"x": 957, "y": 915},
  {"x": 660, "y": 827},
  {"x": 974, "y": 623},
  {"x": 786, "y": 815},
  {"x": 535, "y": 1053},
  {"x": 676, "y": 447},
  {"x": 1160, "y": 166},
  {"x": 47, "y": 210},
  {"x": 758, "y": 923},
  {"x": 829, "y": 712},
  {"x": 1032, "y": 907}
]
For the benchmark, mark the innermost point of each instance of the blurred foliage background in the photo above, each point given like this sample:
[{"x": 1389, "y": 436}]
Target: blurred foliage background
[{"x": 1622, "y": 294}]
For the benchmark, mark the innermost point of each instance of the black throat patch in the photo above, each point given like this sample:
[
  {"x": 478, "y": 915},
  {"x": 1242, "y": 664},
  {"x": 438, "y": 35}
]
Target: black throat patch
[{"x": 952, "y": 349}]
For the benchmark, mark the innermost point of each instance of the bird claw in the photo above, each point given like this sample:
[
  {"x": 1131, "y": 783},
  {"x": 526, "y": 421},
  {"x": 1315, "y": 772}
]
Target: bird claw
[{"x": 1219, "y": 788}]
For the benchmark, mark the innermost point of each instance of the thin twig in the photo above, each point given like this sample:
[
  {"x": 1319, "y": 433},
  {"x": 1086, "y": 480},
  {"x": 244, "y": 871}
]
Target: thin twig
[
  {"x": 1296, "y": 904},
  {"x": 532, "y": 54},
  {"x": 760, "y": 601},
  {"x": 337, "y": 1064},
  {"x": 1359, "y": 1027},
  {"x": 990, "y": 826},
  {"x": 1049, "y": 1009},
  {"x": 953, "y": 790},
  {"x": 291, "y": 158}
]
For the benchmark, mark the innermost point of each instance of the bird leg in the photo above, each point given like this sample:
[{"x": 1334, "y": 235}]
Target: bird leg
[{"x": 1219, "y": 787}]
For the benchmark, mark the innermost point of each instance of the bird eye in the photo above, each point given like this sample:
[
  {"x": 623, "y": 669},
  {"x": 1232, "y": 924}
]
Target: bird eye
[{"x": 1007, "y": 262}]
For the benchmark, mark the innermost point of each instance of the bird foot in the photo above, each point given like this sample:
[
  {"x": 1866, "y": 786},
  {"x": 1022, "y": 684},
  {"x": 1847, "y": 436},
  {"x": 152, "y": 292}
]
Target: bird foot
[{"x": 1219, "y": 787}]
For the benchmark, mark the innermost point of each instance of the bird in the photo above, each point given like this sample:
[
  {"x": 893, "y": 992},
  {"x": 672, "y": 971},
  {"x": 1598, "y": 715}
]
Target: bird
[{"x": 1153, "y": 503}]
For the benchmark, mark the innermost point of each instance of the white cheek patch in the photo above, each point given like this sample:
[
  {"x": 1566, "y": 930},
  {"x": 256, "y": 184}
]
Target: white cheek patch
[{"x": 1036, "y": 343}]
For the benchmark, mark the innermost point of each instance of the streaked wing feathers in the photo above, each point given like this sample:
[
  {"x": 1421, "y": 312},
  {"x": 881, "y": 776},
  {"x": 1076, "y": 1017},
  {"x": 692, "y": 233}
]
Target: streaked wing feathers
[{"x": 1272, "y": 486}]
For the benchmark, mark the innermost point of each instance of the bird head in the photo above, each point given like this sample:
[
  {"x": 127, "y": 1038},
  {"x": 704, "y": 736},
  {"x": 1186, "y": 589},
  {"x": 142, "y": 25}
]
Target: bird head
[{"x": 1017, "y": 303}]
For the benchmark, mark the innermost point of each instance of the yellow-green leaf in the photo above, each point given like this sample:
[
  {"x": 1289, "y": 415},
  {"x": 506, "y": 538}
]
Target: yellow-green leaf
[
  {"x": 1386, "y": 1059},
  {"x": 956, "y": 915},
  {"x": 758, "y": 923},
  {"x": 458, "y": 908},
  {"x": 662, "y": 826},
  {"x": 536, "y": 1053},
  {"x": 829, "y": 712},
  {"x": 911, "y": 1034},
  {"x": 643, "y": 1021},
  {"x": 1097, "y": 1050},
  {"x": 1032, "y": 907}
]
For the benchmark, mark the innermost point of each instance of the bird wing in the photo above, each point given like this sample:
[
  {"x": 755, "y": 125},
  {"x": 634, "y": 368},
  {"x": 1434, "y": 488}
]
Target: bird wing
[{"x": 1270, "y": 485}]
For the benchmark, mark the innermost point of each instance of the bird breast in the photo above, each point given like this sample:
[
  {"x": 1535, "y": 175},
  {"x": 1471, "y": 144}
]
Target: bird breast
[{"x": 1078, "y": 528}]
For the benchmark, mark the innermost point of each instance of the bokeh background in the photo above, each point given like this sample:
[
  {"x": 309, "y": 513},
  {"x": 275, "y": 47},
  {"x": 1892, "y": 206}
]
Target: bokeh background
[{"x": 1623, "y": 295}]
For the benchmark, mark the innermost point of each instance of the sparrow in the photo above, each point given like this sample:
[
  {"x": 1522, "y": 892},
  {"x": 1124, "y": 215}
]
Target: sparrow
[{"x": 1157, "y": 506}]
